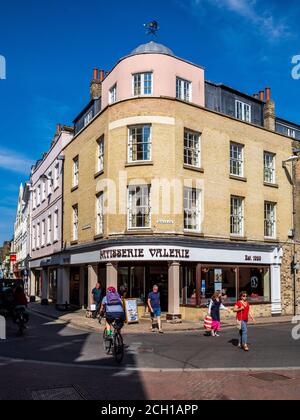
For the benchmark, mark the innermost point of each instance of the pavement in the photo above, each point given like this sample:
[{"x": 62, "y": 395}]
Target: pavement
[
  {"x": 55, "y": 360},
  {"x": 77, "y": 318}
]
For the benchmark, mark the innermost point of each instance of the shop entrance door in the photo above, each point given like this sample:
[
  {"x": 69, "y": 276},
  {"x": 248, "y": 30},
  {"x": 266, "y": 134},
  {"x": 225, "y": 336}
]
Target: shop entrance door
[
  {"x": 75, "y": 286},
  {"x": 158, "y": 275}
]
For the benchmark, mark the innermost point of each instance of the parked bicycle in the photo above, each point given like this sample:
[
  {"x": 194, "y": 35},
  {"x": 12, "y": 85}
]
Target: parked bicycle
[{"x": 113, "y": 344}]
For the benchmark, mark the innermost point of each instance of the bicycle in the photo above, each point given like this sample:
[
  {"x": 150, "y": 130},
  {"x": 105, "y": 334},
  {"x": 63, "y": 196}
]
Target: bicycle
[
  {"x": 21, "y": 318},
  {"x": 114, "y": 344}
]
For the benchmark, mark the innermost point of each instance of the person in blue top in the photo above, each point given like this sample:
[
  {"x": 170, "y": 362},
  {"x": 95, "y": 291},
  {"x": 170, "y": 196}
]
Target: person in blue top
[
  {"x": 112, "y": 307},
  {"x": 155, "y": 308}
]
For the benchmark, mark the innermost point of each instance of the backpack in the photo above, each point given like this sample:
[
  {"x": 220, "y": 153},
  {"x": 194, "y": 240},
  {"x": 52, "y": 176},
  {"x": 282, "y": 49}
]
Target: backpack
[{"x": 113, "y": 299}]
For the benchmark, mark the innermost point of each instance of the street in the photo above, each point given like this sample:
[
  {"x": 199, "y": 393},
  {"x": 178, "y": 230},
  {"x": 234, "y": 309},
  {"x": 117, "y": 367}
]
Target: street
[{"x": 56, "y": 361}]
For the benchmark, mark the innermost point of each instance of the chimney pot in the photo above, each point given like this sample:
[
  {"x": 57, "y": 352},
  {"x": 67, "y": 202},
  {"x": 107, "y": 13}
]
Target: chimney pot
[
  {"x": 255, "y": 95},
  {"x": 101, "y": 75},
  {"x": 107, "y": 73},
  {"x": 58, "y": 128},
  {"x": 268, "y": 94},
  {"x": 261, "y": 95},
  {"x": 95, "y": 74}
]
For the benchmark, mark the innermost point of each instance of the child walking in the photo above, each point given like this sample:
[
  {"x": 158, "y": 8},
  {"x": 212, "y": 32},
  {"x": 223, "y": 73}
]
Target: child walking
[{"x": 214, "y": 309}]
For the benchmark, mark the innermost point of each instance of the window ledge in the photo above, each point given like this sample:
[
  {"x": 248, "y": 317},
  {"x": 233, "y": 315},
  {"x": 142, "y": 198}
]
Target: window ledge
[
  {"x": 74, "y": 243},
  {"x": 100, "y": 236},
  {"x": 193, "y": 168},
  {"x": 99, "y": 173},
  {"x": 74, "y": 188},
  {"x": 141, "y": 163},
  {"x": 145, "y": 231},
  {"x": 271, "y": 240},
  {"x": 268, "y": 184},
  {"x": 238, "y": 178},
  {"x": 238, "y": 238},
  {"x": 55, "y": 242},
  {"x": 193, "y": 233}
]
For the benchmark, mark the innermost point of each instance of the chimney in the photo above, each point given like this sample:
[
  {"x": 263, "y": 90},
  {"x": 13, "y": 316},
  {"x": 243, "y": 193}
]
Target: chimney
[
  {"x": 102, "y": 75},
  {"x": 262, "y": 95},
  {"x": 58, "y": 128},
  {"x": 269, "y": 112},
  {"x": 96, "y": 85},
  {"x": 255, "y": 95},
  {"x": 107, "y": 73}
]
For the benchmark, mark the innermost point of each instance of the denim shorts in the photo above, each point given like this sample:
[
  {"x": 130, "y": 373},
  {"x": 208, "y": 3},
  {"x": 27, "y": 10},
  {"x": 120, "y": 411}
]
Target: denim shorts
[{"x": 156, "y": 313}]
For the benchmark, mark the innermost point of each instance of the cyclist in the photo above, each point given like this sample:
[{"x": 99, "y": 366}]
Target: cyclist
[
  {"x": 113, "y": 309},
  {"x": 20, "y": 302}
]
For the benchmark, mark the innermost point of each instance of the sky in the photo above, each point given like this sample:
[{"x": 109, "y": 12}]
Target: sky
[{"x": 51, "y": 48}]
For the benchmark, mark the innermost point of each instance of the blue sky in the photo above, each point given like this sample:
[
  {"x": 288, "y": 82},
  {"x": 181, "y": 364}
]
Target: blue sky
[{"x": 51, "y": 48}]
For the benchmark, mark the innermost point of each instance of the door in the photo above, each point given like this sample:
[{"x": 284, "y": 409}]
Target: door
[
  {"x": 158, "y": 275},
  {"x": 75, "y": 286}
]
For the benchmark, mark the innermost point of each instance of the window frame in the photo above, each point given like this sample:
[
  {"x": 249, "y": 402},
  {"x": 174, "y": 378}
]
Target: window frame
[
  {"x": 75, "y": 175},
  {"x": 56, "y": 227},
  {"x": 192, "y": 149},
  {"x": 194, "y": 212},
  {"x": 75, "y": 222},
  {"x": 181, "y": 89},
  {"x": 130, "y": 208},
  {"x": 272, "y": 170},
  {"x": 246, "y": 109},
  {"x": 143, "y": 81},
  {"x": 273, "y": 222},
  {"x": 100, "y": 154},
  {"x": 238, "y": 161},
  {"x": 131, "y": 144},
  {"x": 113, "y": 94},
  {"x": 241, "y": 216},
  {"x": 100, "y": 214},
  {"x": 49, "y": 229}
]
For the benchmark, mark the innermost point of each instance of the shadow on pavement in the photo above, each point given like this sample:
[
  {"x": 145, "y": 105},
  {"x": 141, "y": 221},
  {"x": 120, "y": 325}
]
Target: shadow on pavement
[{"x": 61, "y": 355}]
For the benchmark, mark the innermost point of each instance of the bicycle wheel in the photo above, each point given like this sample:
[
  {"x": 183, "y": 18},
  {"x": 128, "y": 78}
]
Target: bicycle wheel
[
  {"x": 107, "y": 343},
  {"x": 118, "y": 348}
]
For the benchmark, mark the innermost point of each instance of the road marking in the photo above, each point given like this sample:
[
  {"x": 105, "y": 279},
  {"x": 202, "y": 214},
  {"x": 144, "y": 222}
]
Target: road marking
[{"x": 149, "y": 370}]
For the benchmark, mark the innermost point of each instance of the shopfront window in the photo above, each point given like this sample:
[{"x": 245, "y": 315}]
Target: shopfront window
[
  {"x": 189, "y": 287},
  {"x": 131, "y": 283},
  {"x": 219, "y": 279},
  {"x": 256, "y": 282}
]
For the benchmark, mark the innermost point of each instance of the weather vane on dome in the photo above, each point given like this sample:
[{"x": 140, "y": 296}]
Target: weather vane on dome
[{"x": 152, "y": 28}]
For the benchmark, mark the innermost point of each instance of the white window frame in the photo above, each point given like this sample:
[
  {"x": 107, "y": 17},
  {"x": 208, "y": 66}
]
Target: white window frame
[
  {"x": 113, "y": 94},
  {"x": 56, "y": 176},
  {"x": 34, "y": 200},
  {"x": 88, "y": 118},
  {"x": 100, "y": 154},
  {"x": 191, "y": 149},
  {"x": 38, "y": 235},
  {"x": 243, "y": 111},
  {"x": 38, "y": 200},
  {"x": 139, "y": 88},
  {"x": 184, "y": 89},
  {"x": 132, "y": 135},
  {"x": 132, "y": 210},
  {"x": 76, "y": 172},
  {"x": 100, "y": 214},
  {"x": 49, "y": 229},
  {"x": 237, "y": 216},
  {"x": 33, "y": 237},
  {"x": 75, "y": 222},
  {"x": 56, "y": 227},
  {"x": 44, "y": 193},
  {"x": 192, "y": 209},
  {"x": 270, "y": 168},
  {"x": 237, "y": 152},
  {"x": 49, "y": 183},
  {"x": 43, "y": 243},
  {"x": 270, "y": 220}
]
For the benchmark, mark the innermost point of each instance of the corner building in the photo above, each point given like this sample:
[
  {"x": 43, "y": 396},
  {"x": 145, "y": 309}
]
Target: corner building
[{"x": 161, "y": 188}]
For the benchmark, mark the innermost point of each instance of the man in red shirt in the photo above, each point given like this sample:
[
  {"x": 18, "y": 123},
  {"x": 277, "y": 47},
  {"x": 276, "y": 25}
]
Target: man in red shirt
[{"x": 243, "y": 311}]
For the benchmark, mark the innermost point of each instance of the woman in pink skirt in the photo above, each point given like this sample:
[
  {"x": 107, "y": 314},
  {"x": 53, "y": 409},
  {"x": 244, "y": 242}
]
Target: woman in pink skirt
[{"x": 215, "y": 307}]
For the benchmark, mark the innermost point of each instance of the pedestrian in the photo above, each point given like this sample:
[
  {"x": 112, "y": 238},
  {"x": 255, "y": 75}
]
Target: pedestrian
[
  {"x": 155, "y": 308},
  {"x": 243, "y": 311},
  {"x": 215, "y": 307},
  {"x": 97, "y": 297}
]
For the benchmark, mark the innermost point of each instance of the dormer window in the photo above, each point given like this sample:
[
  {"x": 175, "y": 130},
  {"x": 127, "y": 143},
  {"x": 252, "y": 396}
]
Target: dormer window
[
  {"x": 242, "y": 111},
  {"x": 88, "y": 118},
  {"x": 183, "y": 90},
  {"x": 142, "y": 84}
]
